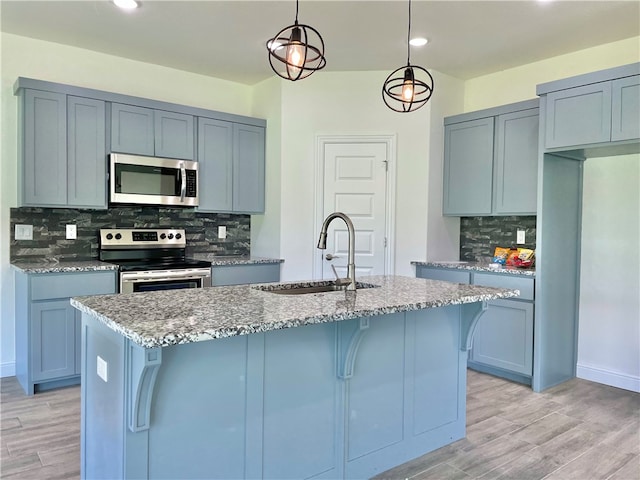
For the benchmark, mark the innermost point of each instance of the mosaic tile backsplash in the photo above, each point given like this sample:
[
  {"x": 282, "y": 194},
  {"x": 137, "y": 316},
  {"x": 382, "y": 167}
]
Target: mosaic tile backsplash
[
  {"x": 49, "y": 230},
  {"x": 479, "y": 236}
]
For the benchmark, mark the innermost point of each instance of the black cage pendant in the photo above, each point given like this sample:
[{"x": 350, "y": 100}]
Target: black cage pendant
[
  {"x": 296, "y": 51},
  {"x": 409, "y": 87}
]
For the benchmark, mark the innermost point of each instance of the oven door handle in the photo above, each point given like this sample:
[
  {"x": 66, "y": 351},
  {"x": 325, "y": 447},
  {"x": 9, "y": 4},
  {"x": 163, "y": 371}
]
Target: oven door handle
[
  {"x": 164, "y": 275},
  {"x": 183, "y": 178}
]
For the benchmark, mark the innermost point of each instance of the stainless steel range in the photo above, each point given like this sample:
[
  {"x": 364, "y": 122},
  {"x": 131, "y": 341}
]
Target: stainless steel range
[{"x": 152, "y": 259}]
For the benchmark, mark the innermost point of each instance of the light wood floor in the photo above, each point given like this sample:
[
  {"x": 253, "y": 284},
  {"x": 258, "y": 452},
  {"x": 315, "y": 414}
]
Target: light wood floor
[{"x": 578, "y": 430}]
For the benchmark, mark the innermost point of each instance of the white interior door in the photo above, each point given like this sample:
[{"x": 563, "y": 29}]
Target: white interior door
[{"x": 355, "y": 183}]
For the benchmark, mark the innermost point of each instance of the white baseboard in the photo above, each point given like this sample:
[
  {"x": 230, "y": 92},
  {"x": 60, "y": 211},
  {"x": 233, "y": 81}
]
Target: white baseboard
[
  {"x": 7, "y": 369},
  {"x": 607, "y": 377}
]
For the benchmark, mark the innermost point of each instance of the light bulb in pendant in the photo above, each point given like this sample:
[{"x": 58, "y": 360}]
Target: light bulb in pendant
[
  {"x": 407, "y": 86},
  {"x": 295, "y": 52}
]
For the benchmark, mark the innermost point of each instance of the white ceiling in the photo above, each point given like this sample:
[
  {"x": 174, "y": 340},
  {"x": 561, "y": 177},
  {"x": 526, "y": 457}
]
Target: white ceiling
[{"x": 226, "y": 39}]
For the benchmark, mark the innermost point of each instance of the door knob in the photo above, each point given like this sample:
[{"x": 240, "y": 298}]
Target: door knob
[{"x": 330, "y": 257}]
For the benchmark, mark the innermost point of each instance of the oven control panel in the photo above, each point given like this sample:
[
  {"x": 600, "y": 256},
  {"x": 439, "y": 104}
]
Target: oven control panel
[{"x": 121, "y": 238}]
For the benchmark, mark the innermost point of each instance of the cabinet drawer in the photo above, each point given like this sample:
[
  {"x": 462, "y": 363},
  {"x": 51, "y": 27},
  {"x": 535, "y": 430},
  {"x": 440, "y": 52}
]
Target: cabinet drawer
[
  {"x": 65, "y": 285},
  {"x": 244, "y": 274},
  {"x": 525, "y": 285},
  {"x": 455, "y": 276}
]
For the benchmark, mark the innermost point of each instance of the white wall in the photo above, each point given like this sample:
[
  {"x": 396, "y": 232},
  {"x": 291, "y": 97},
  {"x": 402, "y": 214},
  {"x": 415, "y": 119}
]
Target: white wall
[
  {"x": 74, "y": 66},
  {"x": 350, "y": 103},
  {"x": 609, "y": 333},
  {"x": 265, "y": 229}
]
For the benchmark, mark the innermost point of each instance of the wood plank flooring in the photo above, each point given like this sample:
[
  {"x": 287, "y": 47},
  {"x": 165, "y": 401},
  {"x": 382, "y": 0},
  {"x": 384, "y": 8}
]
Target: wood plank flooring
[{"x": 577, "y": 430}]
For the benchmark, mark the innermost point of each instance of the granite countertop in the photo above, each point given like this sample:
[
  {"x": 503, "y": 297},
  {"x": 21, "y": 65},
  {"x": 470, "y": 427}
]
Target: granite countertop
[
  {"x": 170, "y": 317},
  {"x": 62, "y": 266},
  {"x": 479, "y": 267},
  {"x": 52, "y": 266},
  {"x": 217, "y": 260}
]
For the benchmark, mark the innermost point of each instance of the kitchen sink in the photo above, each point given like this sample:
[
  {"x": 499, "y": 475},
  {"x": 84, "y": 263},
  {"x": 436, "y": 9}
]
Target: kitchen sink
[{"x": 308, "y": 287}]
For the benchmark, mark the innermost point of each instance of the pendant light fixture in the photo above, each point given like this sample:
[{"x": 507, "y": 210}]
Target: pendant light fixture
[
  {"x": 409, "y": 87},
  {"x": 296, "y": 51}
]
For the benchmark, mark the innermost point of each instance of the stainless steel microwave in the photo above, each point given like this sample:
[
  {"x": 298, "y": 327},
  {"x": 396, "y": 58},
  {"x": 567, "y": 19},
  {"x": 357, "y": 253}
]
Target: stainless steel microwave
[{"x": 134, "y": 179}]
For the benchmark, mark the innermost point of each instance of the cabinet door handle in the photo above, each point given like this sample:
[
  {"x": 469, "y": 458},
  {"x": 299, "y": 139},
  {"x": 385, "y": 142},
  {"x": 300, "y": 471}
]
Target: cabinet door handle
[{"x": 183, "y": 178}]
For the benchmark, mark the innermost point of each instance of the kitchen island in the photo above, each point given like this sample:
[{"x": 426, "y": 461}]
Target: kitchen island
[{"x": 243, "y": 382}]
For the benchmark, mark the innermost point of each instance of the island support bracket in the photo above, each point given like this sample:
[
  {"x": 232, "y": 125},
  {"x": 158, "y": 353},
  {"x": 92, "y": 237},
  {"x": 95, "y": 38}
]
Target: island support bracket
[
  {"x": 470, "y": 314},
  {"x": 143, "y": 369},
  {"x": 346, "y": 366}
]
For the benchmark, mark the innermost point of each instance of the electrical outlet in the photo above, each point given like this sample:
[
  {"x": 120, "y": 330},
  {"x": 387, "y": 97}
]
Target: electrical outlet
[
  {"x": 222, "y": 232},
  {"x": 71, "y": 232},
  {"x": 24, "y": 232},
  {"x": 102, "y": 368},
  {"x": 520, "y": 237}
]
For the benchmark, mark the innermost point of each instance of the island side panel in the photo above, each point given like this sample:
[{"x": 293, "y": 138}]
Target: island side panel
[
  {"x": 102, "y": 401},
  {"x": 300, "y": 404},
  {"x": 413, "y": 403},
  {"x": 198, "y": 412}
]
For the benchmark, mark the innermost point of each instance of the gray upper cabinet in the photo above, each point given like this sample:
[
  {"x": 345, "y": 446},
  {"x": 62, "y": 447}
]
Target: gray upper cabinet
[
  {"x": 215, "y": 158},
  {"x": 515, "y": 170},
  {"x": 132, "y": 130},
  {"x": 87, "y": 153},
  {"x": 593, "y": 109},
  {"x": 145, "y": 131},
  {"x": 232, "y": 166},
  {"x": 625, "y": 108},
  {"x": 64, "y": 155},
  {"x": 490, "y": 161},
  {"x": 248, "y": 168},
  {"x": 579, "y": 116},
  {"x": 66, "y": 133},
  {"x": 468, "y": 154},
  {"x": 44, "y": 144},
  {"x": 174, "y": 135}
]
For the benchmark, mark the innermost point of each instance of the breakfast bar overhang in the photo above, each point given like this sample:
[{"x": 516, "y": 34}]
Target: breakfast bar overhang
[{"x": 242, "y": 382}]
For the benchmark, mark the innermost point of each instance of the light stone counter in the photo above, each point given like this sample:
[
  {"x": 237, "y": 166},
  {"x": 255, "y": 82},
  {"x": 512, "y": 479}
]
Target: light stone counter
[
  {"x": 51, "y": 266},
  {"x": 162, "y": 318},
  {"x": 217, "y": 260},
  {"x": 63, "y": 266},
  {"x": 479, "y": 267}
]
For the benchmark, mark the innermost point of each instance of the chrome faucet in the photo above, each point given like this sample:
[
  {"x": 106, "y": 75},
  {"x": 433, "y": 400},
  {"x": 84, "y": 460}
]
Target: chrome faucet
[{"x": 350, "y": 281}]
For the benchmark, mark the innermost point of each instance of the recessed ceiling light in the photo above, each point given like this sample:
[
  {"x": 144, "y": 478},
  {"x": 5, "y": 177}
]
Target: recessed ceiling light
[
  {"x": 127, "y": 4},
  {"x": 418, "y": 41}
]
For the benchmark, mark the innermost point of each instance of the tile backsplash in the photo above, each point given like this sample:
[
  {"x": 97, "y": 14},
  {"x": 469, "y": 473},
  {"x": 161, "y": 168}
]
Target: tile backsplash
[
  {"x": 479, "y": 236},
  {"x": 49, "y": 230}
]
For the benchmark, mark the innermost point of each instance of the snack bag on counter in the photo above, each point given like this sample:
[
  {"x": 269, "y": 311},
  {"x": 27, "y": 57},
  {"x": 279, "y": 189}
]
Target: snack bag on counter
[
  {"x": 512, "y": 256},
  {"x": 525, "y": 258},
  {"x": 500, "y": 255}
]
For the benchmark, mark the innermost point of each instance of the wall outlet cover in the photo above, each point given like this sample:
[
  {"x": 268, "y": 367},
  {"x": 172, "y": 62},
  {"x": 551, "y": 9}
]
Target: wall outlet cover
[
  {"x": 24, "y": 232},
  {"x": 520, "y": 237},
  {"x": 71, "y": 232},
  {"x": 102, "y": 367},
  {"x": 222, "y": 232}
]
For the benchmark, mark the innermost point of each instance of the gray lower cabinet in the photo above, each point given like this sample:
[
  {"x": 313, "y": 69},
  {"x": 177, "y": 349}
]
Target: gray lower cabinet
[
  {"x": 63, "y": 151},
  {"x": 146, "y": 131},
  {"x": 503, "y": 339},
  {"x": 490, "y": 163},
  {"x": 231, "y": 160},
  {"x": 48, "y": 328},
  {"x": 243, "y": 274}
]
